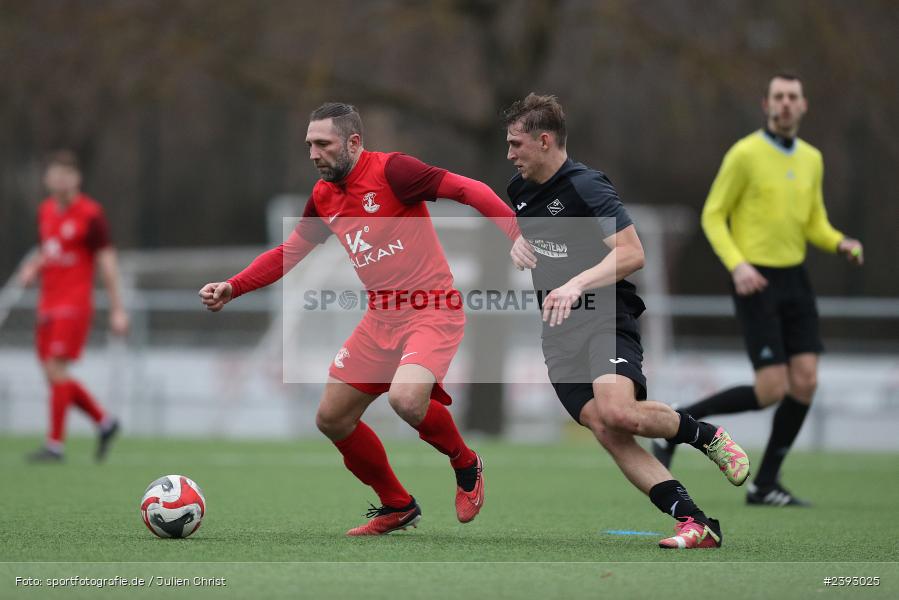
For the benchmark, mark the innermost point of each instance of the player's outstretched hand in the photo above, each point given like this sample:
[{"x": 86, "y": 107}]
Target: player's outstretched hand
[
  {"x": 747, "y": 279},
  {"x": 853, "y": 250},
  {"x": 557, "y": 306},
  {"x": 522, "y": 254},
  {"x": 216, "y": 295}
]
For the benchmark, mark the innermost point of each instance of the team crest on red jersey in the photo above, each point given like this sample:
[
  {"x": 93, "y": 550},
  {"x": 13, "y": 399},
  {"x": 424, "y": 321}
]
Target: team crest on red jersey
[{"x": 368, "y": 203}]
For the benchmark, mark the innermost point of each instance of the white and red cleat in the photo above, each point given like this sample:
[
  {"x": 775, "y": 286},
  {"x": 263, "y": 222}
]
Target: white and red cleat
[{"x": 690, "y": 534}]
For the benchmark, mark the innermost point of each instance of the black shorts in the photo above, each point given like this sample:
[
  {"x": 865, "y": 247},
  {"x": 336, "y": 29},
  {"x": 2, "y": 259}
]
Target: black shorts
[
  {"x": 781, "y": 320},
  {"x": 576, "y": 359}
]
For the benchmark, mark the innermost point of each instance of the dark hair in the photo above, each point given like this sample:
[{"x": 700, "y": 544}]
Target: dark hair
[
  {"x": 63, "y": 158},
  {"x": 788, "y": 75},
  {"x": 538, "y": 113},
  {"x": 346, "y": 118}
]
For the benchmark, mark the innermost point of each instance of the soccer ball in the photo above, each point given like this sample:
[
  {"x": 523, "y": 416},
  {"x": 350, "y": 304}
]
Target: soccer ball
[{"x": 173, "y": 507}]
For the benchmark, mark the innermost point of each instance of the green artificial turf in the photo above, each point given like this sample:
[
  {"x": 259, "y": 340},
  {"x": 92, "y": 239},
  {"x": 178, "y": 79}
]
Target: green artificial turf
[{"x": 277, "y": 513}]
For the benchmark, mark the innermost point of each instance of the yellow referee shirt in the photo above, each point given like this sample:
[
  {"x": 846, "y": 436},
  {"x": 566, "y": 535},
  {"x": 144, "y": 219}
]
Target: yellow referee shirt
[{"x": 766, "y": 202}]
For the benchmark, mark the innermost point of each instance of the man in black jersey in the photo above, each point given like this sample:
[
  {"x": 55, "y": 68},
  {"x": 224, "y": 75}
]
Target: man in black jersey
[{"x": 579, "y": 242}]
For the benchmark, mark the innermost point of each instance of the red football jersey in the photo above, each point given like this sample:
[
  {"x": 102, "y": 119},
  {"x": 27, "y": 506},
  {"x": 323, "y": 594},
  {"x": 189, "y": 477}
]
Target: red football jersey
[
  {"x": 399, "y": 260},
  {"x": 69, "y": 237},
  {"x": 378, "y": 215}
]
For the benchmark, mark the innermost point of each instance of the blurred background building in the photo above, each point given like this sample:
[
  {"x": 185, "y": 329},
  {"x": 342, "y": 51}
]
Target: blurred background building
[{"x": 189, "y": 118}]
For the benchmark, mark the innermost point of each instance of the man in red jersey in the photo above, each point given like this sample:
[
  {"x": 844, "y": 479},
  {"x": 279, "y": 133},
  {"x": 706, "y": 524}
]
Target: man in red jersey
[
  {"x": 395, "y": 348},
  {"x": 73, "y": 235}
]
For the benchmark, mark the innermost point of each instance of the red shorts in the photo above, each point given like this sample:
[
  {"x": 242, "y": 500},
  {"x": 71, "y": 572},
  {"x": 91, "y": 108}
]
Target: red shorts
[
  {"x": 62, "y": 336},
  {"x": 370, "y": 357}
]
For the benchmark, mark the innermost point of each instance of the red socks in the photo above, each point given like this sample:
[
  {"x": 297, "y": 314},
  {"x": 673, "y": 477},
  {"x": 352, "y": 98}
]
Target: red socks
[
  {"x": 83, "y": 400},
  {"x": 365, "y": 457},
  {"x": 61, "y": 396},
  {"x": 439, "y": 430},
  {"x": 59, "y": 403}
]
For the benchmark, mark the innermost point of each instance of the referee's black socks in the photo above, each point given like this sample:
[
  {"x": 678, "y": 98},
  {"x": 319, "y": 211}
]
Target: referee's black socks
[
  {"x": 734, "y": 400},
  {"x": 788, "y": 419},
  {"x": 672, "y": 498},
  {"x": 696, "y": 433}
]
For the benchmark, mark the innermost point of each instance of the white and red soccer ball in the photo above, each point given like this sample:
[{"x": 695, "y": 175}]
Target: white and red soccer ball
[{"x": 173, "y": 507}]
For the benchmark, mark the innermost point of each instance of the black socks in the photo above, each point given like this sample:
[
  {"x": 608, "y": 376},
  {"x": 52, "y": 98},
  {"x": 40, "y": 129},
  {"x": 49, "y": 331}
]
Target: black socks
[
  {"x": 696, "y": 433},
  {"x": 734, "y": 400},
  {"x": 671, "y": 498},
  {"x": 788, "y": 419}
]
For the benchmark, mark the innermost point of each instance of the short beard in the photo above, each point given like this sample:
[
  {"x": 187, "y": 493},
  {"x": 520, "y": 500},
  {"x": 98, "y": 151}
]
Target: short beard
[{"x": 340, "y": 169}]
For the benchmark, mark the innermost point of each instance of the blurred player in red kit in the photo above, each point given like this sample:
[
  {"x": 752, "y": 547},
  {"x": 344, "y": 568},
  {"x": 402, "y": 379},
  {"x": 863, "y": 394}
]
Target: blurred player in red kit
[
  {"x": 401, "y": 346},
  {"x": 74, "y": 235}
]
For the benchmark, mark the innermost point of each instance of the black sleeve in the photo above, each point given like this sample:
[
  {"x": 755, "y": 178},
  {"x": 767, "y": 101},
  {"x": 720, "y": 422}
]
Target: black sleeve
[{"x": 598, "y": 193}]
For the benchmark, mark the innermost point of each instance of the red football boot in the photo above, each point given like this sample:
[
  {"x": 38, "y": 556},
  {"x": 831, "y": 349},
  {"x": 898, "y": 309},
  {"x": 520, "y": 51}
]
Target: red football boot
[
  {"x": 468, "y": 504},
  {"x": 386, "y": 519}
]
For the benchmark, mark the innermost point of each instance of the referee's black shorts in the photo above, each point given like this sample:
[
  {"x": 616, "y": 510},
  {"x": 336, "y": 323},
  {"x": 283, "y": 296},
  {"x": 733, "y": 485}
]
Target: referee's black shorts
[
  {"x": 576, "y": 358},
  {"x": 781, "y": 320}
]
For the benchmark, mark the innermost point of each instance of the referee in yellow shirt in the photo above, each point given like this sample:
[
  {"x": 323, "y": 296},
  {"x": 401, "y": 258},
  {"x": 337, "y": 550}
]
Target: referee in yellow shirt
[{"x": 764, "y": 205}]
